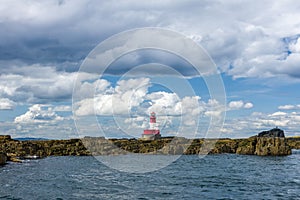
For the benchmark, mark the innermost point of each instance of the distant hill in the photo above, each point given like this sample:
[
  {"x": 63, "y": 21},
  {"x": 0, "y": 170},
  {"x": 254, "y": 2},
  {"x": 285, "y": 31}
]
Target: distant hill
[{"x": 30, "y": 139}]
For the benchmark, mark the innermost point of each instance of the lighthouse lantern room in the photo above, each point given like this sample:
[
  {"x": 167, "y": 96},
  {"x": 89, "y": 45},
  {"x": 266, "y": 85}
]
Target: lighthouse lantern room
[{"x": 153, "y": 132}]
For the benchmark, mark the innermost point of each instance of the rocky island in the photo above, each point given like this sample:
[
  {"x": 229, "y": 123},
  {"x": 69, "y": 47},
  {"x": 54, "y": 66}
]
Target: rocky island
[{"x": 270, "y": 143}]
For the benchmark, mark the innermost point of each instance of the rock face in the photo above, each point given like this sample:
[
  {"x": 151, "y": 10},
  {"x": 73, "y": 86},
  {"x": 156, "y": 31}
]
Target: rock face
[
  {"x": 264, "y": 146},
  {"x": 3, "y": 158},
  {"x": 272, "y": 143},
  {"x": 39, "y": 149},
  {"x": 275, "y": 132},
  {"x": 247, "y": 146},
  {"x": 276, "y": 146},
  {"x": 294, "y": 142}
]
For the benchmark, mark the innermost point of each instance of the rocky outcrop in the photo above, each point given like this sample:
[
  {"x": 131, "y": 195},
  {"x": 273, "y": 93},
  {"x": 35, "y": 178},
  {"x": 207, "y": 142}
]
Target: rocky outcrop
[
  {"x": 272, "y": 143},
  {"x": 3, "y": 158},
  {"x": 40, "y": 149},
  {"x": 275, "y": 132},
  {"x": 262, "y": 146},
  {"x": 276, "y": 146},
  {"x": 294, "y": 142},
  {"x": 246, "y": 146},
  {"x": 5, "y": 138}
]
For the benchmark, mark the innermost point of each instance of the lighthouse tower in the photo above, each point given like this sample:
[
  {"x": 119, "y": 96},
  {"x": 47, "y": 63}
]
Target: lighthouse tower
[{"x": 153, "y": 132}]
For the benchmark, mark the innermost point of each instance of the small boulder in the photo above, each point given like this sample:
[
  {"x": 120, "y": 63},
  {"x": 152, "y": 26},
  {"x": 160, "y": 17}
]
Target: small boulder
[{"x": 275, "y": 132}]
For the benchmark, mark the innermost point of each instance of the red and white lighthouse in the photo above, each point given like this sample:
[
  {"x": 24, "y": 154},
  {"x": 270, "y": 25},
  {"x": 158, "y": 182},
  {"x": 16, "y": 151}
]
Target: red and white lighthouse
[{"x": 153, "y": 132}]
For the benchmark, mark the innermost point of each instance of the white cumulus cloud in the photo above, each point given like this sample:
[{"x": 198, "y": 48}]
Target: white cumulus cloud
[
  {"x": 289, "y": 107},
  {"x": 236, "y": 105},
  {"x": 120, "y": 100},
  {"x": 38, "y": 114}
]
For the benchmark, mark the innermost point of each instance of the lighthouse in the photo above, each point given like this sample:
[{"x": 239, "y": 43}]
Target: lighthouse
[{"x": 153, "y": 132}]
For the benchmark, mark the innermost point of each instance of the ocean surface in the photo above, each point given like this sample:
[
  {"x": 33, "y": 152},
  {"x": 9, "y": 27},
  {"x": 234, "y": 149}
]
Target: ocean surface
[{"x": 225, "y": 176}]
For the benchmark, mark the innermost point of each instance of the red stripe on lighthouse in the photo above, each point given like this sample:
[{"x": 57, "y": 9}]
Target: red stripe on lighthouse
[{"x": 153, "y": 118}]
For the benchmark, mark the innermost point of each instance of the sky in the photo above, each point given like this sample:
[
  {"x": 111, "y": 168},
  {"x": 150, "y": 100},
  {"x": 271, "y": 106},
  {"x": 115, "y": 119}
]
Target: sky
[{"x": 45, "y": 47}]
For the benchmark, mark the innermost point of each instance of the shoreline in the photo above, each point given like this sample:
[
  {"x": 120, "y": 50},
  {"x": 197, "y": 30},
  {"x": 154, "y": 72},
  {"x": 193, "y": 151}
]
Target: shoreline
[{"x": 32, "y": 149}]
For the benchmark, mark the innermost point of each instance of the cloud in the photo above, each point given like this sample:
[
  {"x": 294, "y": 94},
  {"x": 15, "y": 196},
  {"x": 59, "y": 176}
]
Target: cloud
[
  {"x": 38, "y": 114},
  {"x": 152, "y": 61},
  {"x": 62, "y": 108},
  {"x": 164, "y": 103},
  {"x": 279, "y": 113},
  {"x": 188, "y": 108},
  {"x": 248, "y": 105},
  {"x": 236, "y": 105},
  {"x": 236, "y": 40},
  {"x": 125, "y": 96},
  {"x": 133, "y": 95},
  {"x": 38, "y": 84},
  {"x": 68, "y": 36},
  {"x": 64, "y": 129},
  {"x": 213, "y": 108},
  {"x": 6, "y": 104},
  {"x": 295, "y": 46},
  {"x": 41, "y": 51},
  {"x": 87, "y": 89},
  {"x": 289, "y": 107}
]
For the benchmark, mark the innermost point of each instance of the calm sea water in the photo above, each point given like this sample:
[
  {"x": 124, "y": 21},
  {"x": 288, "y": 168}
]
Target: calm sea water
[{"x": 223, "y": 176}]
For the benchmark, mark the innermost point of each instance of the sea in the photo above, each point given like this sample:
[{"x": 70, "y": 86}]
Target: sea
[{"x": 223, "y": 176}]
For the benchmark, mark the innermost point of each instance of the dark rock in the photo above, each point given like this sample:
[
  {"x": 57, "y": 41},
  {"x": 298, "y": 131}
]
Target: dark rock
[
  {"x": 275, "y": 132},
  {"x": 3, "y": 158}
]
